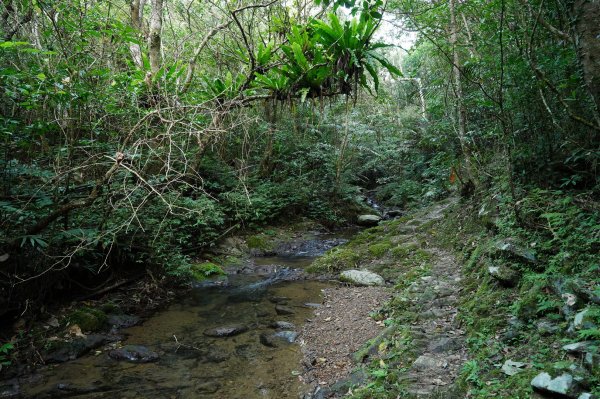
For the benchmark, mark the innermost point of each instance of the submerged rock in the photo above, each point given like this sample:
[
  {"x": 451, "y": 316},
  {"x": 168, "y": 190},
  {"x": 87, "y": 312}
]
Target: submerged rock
[
  {"x": 283, "y": 310},
  {"x": 361, "y": 277},
  {"x": 368, "y": 220},
  {"x": 225, "y": 331},
  {"x": 134, "y": 354}
]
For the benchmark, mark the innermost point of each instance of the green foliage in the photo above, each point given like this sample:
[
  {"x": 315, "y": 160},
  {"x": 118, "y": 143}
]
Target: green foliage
[
  {"x": 200, "y": 271},
  {"x": 5, "y": 350}
]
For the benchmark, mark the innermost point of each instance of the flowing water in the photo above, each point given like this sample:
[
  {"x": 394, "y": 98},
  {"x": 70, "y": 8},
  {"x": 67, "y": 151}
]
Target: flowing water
[{"x": 193, "y": 365}]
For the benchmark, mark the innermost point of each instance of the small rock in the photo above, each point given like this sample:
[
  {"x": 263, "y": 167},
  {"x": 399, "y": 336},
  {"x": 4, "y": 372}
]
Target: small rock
[
  {"x": 280, "y": 337},
  {"x": 368, "y": 220},
  {"x": 362, "y": 277},
  {"x": 580, "y": 347},
  {"x": 511, "y": 368},
  {"x": 546, "y": 327},
  {"x": 283, "y": 310},
  {"x": 225, "y": 331},
  {"x": 134, "y": 354}
]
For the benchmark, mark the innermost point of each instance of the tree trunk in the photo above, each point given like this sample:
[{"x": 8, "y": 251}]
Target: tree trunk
[
  {"x": 154, "y": 39},
  {"x": 587, "y": 30}
]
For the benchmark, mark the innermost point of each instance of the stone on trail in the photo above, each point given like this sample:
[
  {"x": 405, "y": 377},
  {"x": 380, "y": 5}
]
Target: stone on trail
[
  {"x": 368, "y": 220},
  {"x": 225, "y": 331},
  {"x": 424, "y": 362},
  {"x": 361, "y": 277}
]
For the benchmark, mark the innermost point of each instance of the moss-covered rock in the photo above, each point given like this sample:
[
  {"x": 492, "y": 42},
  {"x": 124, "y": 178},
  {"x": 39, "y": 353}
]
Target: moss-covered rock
[{"x": 87, "y": 319}]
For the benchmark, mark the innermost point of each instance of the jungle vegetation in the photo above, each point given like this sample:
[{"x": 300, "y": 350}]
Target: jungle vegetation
[{"x": 135, "y": 134}]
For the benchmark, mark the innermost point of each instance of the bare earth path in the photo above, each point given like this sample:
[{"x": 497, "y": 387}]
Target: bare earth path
[{"x": 437, "y": 349}]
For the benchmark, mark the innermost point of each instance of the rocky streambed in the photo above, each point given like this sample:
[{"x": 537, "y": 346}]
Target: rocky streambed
[{"x": 239, "y": 337}]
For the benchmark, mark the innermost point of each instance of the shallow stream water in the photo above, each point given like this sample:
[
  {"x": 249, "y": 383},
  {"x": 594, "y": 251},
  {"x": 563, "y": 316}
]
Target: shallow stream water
[{"x": 191, "y": 364}]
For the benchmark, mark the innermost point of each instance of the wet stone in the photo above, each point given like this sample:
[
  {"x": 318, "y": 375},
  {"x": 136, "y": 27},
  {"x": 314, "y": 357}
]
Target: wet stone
[
  {"x": 122, "y": 320},
  {"x": 278, "y": 338},
  {"x": 283, "y": 325},
  {"x": 66, "y": 351},
  {"x": 225, "y": 331},
  {"x": 134, "y": 354}
]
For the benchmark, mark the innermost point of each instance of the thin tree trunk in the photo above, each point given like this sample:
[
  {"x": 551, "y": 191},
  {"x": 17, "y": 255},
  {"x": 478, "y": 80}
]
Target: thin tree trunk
[
  {"x": 136, "y": 22},
  {"x": 587, "y": 29},
  {"x": 460, "y": 106},
  {"x": 154, "y": 38}
]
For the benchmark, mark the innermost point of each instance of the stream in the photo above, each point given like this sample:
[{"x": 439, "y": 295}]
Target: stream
[{"x": 258, "y": 362}]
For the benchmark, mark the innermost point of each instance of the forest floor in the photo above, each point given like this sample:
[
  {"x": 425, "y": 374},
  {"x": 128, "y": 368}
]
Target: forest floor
[{"x": 424, "y": 349}]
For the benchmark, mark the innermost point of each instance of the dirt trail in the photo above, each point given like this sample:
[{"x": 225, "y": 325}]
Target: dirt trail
[{"x": 437, "y": 349}]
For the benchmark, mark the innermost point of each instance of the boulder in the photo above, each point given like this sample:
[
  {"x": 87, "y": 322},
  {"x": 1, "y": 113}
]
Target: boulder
[
  {"x": 368, "y": 220},
  {"x": 504, "y": 275},
  {"x": 361, "y": 277},
  {"x": 225, "y": 331},
  {"x": 134, "y": 354}
]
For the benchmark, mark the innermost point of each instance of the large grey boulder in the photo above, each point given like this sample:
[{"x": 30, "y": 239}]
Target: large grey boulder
[
  {"x": 361, "y": 277},
  {"x": 368, "y": 220}
]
